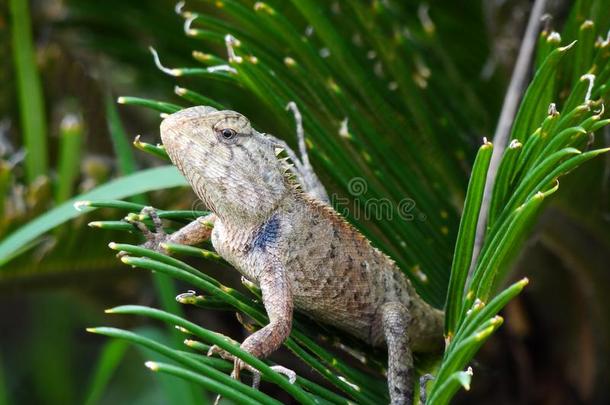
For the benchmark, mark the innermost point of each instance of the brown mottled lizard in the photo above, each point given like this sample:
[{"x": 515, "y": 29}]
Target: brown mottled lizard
[{"x": 272, "y": 221}]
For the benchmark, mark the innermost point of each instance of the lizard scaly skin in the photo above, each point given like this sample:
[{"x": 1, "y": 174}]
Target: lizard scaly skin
[{"x": 292, "y": 244}]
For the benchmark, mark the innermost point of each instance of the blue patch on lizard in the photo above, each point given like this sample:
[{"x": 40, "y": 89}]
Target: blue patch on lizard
[{"x": 267, "y": 234}]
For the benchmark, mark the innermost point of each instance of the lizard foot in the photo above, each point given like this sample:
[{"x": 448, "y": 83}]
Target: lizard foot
[
  {"x": 423, "y": 380},
  {"x": 239, "y": 365},
  {"x": 155, "y": 238}
]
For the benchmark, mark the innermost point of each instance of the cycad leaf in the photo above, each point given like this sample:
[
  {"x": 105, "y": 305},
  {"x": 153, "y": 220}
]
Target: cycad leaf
[{"x": 137, "y": 183}]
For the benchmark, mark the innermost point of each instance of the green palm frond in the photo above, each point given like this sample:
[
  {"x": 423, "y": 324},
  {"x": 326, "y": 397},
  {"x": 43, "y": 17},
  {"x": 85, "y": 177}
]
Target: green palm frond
[
  {"x": 363, "y": 89},
  {"x": 389, "y": 126},
  {"x": 384, "y": 98}
]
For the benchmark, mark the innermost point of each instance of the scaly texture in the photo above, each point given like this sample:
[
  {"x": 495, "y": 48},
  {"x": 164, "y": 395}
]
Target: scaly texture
[{"x": 272, "y": 224}]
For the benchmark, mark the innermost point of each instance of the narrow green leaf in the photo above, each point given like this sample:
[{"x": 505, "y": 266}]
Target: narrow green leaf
[
  {"x": 112, "y": 225},
  {"x": 565, "y": 167},
  {"x": 125, "y": 158},
  {"x": 155, "y": 150},
  {"x": 546, "y": 43},
  {"x": 462, "y": 256},
  {"x": 143, "y": 181},
  {"x": 226, "y": 366},
  {"x": 493, "y": 265},
  {"x": 560, "y": 140},
  {"x": 207, "y": 35},
  {"x": 202, "y": 380},
  {"x": 108, "y": 361},
  {"x": 210, "y": 372},
  {"x": 70, "y": 145},
  {"x": 571, "y": 119},
  {"x": 30, "y": 95},
  {"x": 481, "y": 311},
  {"x": 599, "y": 124},
  {"x": 502, "y": 183},
  {"x": 200, "y": 279},
  {"x": 219, "y": 340},
  {"x": 450, "y": 386},
  {"x": 201, "y": 301},
  {"x": 173, "y": 248},
  {"x": 196, "y": 98},
  {"x": 526, "y": 116},
  {"x": 527, "y": 156},
  {"x": 584, "y": 50},
  {"x": 531, "y": 181},
  {"x": 206, "y": 59},
  {"x": 457, "y": 360},
  {"x": 581, "y": 90},
  {"x": 179, "y": 270},
  {"x": 463, "y": 349},
  {"x": 118, "y": 204},
  {"x": 160, "y": 106}
]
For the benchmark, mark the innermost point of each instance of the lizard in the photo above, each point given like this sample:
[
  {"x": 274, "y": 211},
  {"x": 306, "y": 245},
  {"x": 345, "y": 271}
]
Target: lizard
[{"x": 273, "y": 222}]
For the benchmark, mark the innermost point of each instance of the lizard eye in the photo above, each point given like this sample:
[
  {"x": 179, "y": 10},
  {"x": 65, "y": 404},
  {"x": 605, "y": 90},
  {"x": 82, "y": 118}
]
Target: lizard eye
[{"x": 227, "y": 134}]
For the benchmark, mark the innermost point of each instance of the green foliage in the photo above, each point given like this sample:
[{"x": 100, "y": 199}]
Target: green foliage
[
  {"x": 383, "y": 98},
  {"x": 71, "y": 139},
  {"x": 462, "y": 257},
  {"x": 33, "y": 120},
  {"x": 127, "y": 186},
  {"x": 111, "y": 356},
  {"x": 301, "y": 342},
  {"x": 545, "y": 145},
  {"x": 354, "y": 115}
]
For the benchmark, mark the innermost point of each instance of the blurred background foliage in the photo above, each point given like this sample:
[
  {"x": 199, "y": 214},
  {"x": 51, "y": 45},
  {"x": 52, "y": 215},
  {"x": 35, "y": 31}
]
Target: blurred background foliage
[{"x": 57, "y": 103}]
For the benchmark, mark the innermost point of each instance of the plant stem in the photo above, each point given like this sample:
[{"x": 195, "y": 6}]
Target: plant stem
[{"x": 507, "y": 115}]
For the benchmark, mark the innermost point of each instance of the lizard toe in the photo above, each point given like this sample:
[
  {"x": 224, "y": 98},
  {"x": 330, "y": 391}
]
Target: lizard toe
[
  {"x": 292, "y": 376},
  {"x": 239, "y": 365},
  {"x": 154, "y": 239},
  {"x": 139, "y": 225},
  {"x": 423, "y": 380},
  {"x": 216, "y": 350},
  {"x": 154, "y": 216}
]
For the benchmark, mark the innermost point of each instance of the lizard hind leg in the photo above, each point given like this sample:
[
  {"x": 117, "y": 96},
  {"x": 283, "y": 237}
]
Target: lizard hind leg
[
  {"x": 395, "y": 321},
  {"x": 308, "y": 178},
  {"x": 301, "y": 168}
]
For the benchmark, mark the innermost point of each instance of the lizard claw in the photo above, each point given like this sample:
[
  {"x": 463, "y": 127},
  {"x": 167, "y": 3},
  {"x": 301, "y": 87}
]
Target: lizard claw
[
  {"x": 214, "y": 349},
  {"x": 154, "y": 216},
  {"x": 423, "y": 380},
  {"x": 292, "y": 376},
  {"x": 239, "y": 365},
  {"x": 155, "y": 238},
  {"x": 256, "y": 375}
]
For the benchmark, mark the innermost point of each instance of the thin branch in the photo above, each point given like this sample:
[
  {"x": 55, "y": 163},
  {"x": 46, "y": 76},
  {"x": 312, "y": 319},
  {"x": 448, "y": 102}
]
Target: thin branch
[{"x": 507, "y": 116}]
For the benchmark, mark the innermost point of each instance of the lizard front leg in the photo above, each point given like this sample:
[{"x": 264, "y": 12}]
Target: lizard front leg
[
  {"x": 396, "y": 320},
  {"x": 278, "y": 302},
  {"x": 193, "y": 233}
]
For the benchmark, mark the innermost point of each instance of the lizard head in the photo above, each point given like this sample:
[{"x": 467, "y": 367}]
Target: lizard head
[{"x": 230, "y": 166}]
